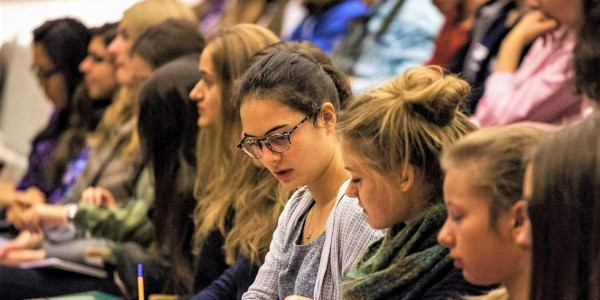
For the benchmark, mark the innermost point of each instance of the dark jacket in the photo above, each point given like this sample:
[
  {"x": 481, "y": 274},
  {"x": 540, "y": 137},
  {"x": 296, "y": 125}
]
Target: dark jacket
[{"x": 233, "y": 283}]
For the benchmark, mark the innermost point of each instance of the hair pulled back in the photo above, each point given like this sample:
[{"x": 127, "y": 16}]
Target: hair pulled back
[
  {"x": 408, "y": 122},
  {"x": 300, "y": 79}
]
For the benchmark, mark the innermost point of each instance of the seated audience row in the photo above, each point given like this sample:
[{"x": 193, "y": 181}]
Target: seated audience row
[{"x": 393, "y": 194}]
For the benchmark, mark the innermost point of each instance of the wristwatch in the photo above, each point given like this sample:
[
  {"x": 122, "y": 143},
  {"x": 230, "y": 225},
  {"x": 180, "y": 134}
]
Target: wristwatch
[{"x": 71, "y": 211}]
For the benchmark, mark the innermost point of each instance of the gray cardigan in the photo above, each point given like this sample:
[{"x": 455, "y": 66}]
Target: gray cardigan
[
  {"x": 347, "y": 235},
  {"x": 107, "y": 168}
]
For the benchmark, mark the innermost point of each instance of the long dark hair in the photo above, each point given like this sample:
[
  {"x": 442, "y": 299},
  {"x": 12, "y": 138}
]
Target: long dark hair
[
  {"x": 168, "y": 131},
  {"x": 84, "y": 116},
  {"x": 587, "y": 51},
  {"x": 65, "y": 41},
  {"x": 565, "y": 215}
]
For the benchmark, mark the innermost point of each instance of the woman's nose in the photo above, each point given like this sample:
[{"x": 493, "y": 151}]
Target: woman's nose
[{"x": 196, "y": 94}]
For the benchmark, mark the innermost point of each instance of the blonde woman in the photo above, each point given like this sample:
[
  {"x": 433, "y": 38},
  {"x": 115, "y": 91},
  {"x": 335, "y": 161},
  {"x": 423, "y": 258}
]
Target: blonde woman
[
  {"x": 487, "y": 230},
  {"x": 392, "y": 139},
  {"x": 238, "y": 202}
]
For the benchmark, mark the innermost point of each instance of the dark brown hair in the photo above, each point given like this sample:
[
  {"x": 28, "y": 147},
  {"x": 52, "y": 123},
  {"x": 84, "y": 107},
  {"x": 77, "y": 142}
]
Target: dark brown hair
[
  {"x": 85, "y": 113},
  {"x": 168, "y": 40},
  {"x": 296, "y": 79},
  {"x": 565, "y": 214},
  {"x": 168, "y": 130},
  {"x": 107, "y": 32},
  {"x": 587, "y": 51}
]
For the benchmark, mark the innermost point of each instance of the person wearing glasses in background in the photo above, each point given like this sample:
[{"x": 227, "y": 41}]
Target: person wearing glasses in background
[
  {"x": 90, "y": 102},
  {"x": 59, "y": 46}
]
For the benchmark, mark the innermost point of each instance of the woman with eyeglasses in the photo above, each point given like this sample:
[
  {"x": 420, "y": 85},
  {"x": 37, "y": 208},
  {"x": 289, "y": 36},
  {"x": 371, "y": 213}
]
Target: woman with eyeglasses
[
  {"x": 288, "y": 104},
  {"x": 59, "y": 46},
  {"x": 90, "y": 102}
]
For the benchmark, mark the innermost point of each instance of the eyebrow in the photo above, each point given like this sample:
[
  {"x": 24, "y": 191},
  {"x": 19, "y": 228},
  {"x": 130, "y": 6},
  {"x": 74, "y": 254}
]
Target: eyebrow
[{"x": 268, "y": 132}]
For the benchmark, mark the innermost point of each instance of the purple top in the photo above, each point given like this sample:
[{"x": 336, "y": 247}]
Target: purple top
[
  {"x": 210, "y": 20},
  {"x": 74, "y": 169},
  {"x": 41, "y": 151}
]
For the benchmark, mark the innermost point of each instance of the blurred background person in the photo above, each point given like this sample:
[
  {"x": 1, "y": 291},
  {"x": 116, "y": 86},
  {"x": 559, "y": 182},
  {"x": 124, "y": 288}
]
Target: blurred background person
[
  {"x": 327, "y": 21},
  {"x": 59, "y": 47},
  {"x": 561, "y": 186}
]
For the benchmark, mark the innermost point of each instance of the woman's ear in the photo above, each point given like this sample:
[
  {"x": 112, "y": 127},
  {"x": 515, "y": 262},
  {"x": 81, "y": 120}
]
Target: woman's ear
[
  {"x": 521, "y": 231},
  {"x": 329, "y": 116},
  {"x": 407, "y": 179}
]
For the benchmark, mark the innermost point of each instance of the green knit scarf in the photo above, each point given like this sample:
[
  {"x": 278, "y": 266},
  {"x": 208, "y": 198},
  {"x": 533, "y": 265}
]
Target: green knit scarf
[{"x": 403, "y": 262}]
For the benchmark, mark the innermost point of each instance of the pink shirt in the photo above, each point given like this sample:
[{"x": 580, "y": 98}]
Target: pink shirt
[{"x": 541, "y": 90}]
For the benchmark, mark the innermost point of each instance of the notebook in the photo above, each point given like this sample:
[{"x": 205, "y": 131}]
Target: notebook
[
  {"x": 55, "y": 263},
  {"x": 95, "y": 295}
]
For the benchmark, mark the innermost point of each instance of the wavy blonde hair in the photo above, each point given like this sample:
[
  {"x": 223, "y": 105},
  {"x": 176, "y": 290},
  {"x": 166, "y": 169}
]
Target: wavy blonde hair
[
  {"x": 137, "y": 18},
  {"x": 408, "y": 121},
  {"x": 148, "y": 13},
  {"x": 227, "y": 179}
]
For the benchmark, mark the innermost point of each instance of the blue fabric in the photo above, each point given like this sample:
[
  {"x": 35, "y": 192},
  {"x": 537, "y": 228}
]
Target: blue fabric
[
  {"x": 232, "y": 284},
  {"x": 41, "y": 152},
  {"x": 74, "y": 169},
  {"x": 327, "y": 28},
  {"x": 408, "y": 42}
]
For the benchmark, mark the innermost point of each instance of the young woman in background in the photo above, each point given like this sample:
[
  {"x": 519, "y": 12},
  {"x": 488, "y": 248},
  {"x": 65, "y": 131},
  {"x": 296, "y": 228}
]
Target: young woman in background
[
  {"x": 238, "y": 220},
  {"x": 488, "y": 230}
]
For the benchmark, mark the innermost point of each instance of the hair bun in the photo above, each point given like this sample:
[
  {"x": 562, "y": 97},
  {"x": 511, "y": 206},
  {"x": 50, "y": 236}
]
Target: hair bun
[{"x": 430, "y": 93}]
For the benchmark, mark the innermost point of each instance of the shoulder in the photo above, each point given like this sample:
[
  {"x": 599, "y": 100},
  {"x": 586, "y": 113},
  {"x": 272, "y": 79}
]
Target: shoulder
[
  {"x": 420, "y": 14},
  {"x": 350, "y": 8},
  {"x": 337, "y": 17}
]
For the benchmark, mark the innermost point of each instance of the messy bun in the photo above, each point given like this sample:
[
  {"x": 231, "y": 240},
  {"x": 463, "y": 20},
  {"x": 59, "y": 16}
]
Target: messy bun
[
  {"x": 431, "y": 94},
  {"x": 408, "y": 121}
]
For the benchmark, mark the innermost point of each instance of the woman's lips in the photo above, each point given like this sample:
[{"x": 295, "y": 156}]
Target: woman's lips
[{"x": 283, "y": 175}]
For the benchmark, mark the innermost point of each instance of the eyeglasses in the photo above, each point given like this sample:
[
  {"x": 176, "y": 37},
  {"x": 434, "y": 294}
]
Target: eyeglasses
[
  {"x": 277, "y": 142},
  {"x": 43, "y": 74}
]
